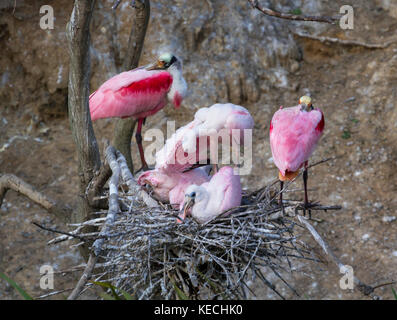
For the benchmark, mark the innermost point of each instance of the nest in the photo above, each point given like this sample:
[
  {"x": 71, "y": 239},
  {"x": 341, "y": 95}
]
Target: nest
[
  {"x": 149, "y": 255},
  {"x": 143, "y": 251}
]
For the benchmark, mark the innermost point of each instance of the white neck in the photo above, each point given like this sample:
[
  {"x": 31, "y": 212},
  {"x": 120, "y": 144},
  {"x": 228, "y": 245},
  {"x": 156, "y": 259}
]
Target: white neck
[
  {"x": 203, "y": 210},
  {"x": 178, "y": 83}
]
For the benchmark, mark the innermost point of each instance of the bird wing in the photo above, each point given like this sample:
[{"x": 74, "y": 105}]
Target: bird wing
[
  {"x": 137, "y": 93},
  {"x": 293, "y": 136},
  {"x": 232, "y": 189},
  {"x": 178, "y": 156}
]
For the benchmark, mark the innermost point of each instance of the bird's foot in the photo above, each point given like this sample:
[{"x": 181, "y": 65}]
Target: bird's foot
[{"x": 307, "y": 206}]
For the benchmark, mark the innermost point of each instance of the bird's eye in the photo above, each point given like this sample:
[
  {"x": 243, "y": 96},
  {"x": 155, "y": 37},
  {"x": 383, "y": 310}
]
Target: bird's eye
[{"x": 193, "y": 194}]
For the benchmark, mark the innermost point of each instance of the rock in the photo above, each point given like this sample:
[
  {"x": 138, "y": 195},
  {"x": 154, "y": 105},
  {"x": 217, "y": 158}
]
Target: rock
[{"x": 231, "y": 52}]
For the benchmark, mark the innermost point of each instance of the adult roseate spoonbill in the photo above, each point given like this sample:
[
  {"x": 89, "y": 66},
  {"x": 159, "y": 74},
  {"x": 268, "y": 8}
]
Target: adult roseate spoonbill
[
  {"x": 212, "y": 198},
  {"x": 140, "y": 93},
  {"x": 171, "y": 186},
  {"x": 294, "y": 133},
  {"x": 182, "y": 150}
]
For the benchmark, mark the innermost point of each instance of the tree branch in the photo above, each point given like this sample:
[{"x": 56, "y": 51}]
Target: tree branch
[
  {"x": 12, "y": 182},
  {"x": 125, "y": 127},
  {"x": 78, "y": 36},
  {"x": 113, "y": 210},
  {"x": 272, "y": 13},
  {"x": 325, "y": 39},
  {"x": 362, "y": 287}
]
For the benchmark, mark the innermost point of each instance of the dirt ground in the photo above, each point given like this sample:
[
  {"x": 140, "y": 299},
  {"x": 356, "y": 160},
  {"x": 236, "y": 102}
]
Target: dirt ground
[{"x": 353, "y": 85}]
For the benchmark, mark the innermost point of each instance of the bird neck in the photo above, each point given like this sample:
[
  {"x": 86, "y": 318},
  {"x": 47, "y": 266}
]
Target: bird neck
[
  {"x": 199, "y": 210},
  {"x": 178, "y": 88}
]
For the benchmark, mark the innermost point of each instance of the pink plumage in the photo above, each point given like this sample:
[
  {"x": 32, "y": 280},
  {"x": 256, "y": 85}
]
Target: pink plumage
[
  {"x": 170, "y": 187},
  {"x": 190, "y": 143},
  {"x": 294, "y": 134},
  {"x": 140, "y": 93},
  {"x": 212, "y": 198},
  {"x": 137, "y": 94}
]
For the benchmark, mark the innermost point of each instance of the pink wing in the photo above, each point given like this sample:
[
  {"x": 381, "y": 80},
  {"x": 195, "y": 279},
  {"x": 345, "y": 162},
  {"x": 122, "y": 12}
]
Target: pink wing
[
  {"x": 138, "y": 93},
  {"x": 173, "y": 158},
  {"x": 232, "y": 188},
  {"x": 293, "y": 136},
  {"x": 190, "y": 143},
  {"x": 171, "y": 186}
]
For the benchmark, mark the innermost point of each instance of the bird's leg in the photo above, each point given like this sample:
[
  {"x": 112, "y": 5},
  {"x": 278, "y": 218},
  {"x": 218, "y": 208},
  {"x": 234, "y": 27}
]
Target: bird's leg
[
  {"x": 306, "y": 204},
  {"x": 138, "y": 138},
  {"x": 281, "y": 196}
]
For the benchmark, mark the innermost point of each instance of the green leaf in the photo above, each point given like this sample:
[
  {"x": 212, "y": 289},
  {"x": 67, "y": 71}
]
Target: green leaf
[
  {"x": 16, "y": 287},
  {"x": 180, "y": 293},
  {"x": 394, "y": 293},
  {"x": 126, "y": 295},
  {"x": 296, "y": 11},
  {"x": 106, "y": 296},
  {"x": 108, "y": 285}
]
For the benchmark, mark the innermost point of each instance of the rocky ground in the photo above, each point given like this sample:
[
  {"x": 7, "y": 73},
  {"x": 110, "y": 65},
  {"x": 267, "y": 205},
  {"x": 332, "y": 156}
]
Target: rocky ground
[{"x": 231, "y": 54}]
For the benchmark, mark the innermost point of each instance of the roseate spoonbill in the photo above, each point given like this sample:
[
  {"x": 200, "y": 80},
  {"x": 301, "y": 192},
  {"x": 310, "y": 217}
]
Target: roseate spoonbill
[
  {"x": 140, "y": 93},
  {"x": 170, "y": 186},
  {"x": 212, "y": 198},
  {"x": 182, "y": 151},
  {"x": 294, "y": 134}
]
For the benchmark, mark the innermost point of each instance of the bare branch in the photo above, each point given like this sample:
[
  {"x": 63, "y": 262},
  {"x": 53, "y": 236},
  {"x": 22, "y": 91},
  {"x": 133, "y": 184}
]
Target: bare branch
[
  {"x": 84, "y": 278},
  {"x": 325, "y": 39},
  {"x": 12, "y": 182},
  {"x": 272, "y": 13},
  {"x": 133, "y": 186},
  {"x": 114, "y": 207},
  {"x": 362, "y": 287}
]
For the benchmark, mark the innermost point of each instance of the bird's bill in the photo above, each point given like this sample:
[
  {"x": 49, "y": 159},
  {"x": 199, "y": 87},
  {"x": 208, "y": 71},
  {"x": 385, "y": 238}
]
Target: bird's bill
[
  {"x": 158, "y": 65},
  {"x": 187, "y": 204}
]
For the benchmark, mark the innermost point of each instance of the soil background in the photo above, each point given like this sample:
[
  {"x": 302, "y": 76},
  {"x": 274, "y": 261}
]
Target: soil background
[{"x": 254, "y": 60}]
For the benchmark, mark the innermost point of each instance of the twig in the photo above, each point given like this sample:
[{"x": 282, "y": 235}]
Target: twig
[
  {"x": 325, "y": 39},
  {"x": 133, "y": 186},
  {"x": 113, "y": 199},
  {"x": 269, "y": 12},
  {"x": 84, "y": 278},
  {"x": 52, "y": 293},
  {"x": 10, "y": 181},
  {"x": 58, "y": 231},
  {"x": 362, "y": 287},
  {"x": 113, "y": 210}
]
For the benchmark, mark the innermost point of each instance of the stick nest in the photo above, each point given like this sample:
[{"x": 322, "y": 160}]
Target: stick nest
[{"x": 149, "y": 255}]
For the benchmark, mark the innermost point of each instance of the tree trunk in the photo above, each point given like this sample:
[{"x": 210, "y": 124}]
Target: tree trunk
[
  {"x": 78, "y": 36},
  {"x": 125, "y": 127}
]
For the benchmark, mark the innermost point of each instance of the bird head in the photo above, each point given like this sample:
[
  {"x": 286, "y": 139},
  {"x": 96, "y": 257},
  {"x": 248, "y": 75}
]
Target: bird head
[
  {"x": 165, "y": 61},
  {"x": 189, "y": 201},
  {"x": 306, "y": 103}
]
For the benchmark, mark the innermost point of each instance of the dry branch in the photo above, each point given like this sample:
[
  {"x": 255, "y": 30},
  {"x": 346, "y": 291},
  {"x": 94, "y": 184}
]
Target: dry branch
[
  {"x": 12, "y": 182},
  {"x": 255, "y": 4},
  {"x": 114, "y": 207},
  {"x": 325, "y": 39},
  {"x": 133, "y": 186},
  {"x": 362, "y": 287}
]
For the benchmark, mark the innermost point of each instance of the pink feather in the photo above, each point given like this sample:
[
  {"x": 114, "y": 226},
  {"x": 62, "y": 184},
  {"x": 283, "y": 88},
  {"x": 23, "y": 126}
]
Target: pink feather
[
  {"x": 294, "y": 135},
  {"x": 137, "y": 93}
]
